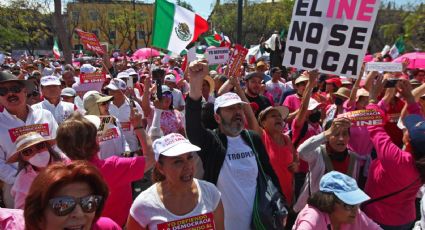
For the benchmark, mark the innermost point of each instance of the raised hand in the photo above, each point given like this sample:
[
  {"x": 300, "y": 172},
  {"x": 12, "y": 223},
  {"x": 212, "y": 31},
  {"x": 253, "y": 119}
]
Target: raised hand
[
  {"x": 405, "y": 89},
  {"x": 337, "y": 126},
  {"x": 197, "y": 70}
]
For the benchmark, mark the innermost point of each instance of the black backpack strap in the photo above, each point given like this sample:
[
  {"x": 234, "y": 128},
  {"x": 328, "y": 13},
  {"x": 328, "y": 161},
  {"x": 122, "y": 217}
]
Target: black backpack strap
[
  {"x": 390, "y": 194},
  {"x": 302, "y": 134}
]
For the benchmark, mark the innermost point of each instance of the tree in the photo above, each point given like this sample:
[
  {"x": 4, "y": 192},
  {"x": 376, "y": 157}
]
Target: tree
[
  {"x": 61, "y": 31},
  {"x": 25, "y": 24},
  {"x": 185, "y": 4}
]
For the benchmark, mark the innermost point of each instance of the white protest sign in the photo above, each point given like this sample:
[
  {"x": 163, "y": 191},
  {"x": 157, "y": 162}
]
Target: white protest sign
[
  {"x": 191, "y": 54},
  {"x": 384, "y": 66},
  {"x": 218, "y": 55},
  {"x": 330, "y": 35}
]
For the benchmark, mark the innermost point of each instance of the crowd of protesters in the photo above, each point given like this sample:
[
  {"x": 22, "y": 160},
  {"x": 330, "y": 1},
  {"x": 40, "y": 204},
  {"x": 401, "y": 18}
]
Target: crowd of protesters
[{"x": 69, "y": 155}]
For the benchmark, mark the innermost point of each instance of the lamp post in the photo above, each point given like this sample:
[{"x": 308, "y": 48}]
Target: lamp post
[
  {"x": 135, "y": 25},
  {"x": 239, "y": 24}
]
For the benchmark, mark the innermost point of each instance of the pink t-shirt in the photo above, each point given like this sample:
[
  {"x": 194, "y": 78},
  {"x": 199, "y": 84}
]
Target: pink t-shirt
[
  {"x": 293, "y": 102},
  {"x": 393, "y": 170},
  {"x": 118, "y": 173},
  {"x": 12, "y": 219},
  {"x": 104, "y": 223},
  {"x": 22, "y": 185},
  {"x": 311, "y": 218},
  {"x": 359, "y": 142}
]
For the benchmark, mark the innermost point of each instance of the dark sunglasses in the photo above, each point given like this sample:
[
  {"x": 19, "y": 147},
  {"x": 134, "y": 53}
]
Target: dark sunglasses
[
  {"x": 33, "y": 149},
  {"x": 168, "y": 95},
  {"x": 64, "y": 205},
  {"x": 14, "y": 89},
  {"x": 33, "y": 94}
]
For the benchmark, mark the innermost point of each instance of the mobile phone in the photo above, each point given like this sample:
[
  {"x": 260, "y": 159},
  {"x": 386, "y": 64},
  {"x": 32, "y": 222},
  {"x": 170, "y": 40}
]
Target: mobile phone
[
  {"x": 391, "y": 83},
  {"x": 158, "y": 75}
]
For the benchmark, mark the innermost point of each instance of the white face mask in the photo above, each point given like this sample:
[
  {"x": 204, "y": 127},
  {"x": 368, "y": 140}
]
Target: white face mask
[{"x": 40, "y": 160}]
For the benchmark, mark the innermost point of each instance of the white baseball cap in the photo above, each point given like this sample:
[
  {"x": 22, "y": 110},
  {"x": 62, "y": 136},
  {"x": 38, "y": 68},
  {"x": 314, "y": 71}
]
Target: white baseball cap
[
  {"x": 312, "y": 104},
  {"x": 122, "y": 75},
  {"x": 87, "y": 68},
  {"x": 131, "y": 71},
  {"x": 227, "y": 99},
  {"x": 116, "y": 84},
  {"x": 50, "y": 80},
  {"x": 173, "y": 144},
  {"x": 170, "y": 78}
]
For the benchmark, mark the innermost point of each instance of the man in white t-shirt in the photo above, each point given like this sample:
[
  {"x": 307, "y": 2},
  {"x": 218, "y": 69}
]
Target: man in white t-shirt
[
  {"x": 51, "y": 90},
  {"x": 18, "y": 118},
  {"x": 120, "y": 108},
  {"x": 227, "y": 154},
  {"x": 178, "y": 101},
  {"x": 276, "y": 87}
]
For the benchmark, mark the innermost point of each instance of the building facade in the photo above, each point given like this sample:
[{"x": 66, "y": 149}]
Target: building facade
[{"x": 122, "y": 25}]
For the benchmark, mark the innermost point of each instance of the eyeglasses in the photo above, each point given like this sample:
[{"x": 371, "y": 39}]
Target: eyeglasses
[
  {"x": 348, "y": 207},
  {"x": 33, "y": 149},
  {"x": 14, "y": 89},
  {"x": 64, "y": 205}
]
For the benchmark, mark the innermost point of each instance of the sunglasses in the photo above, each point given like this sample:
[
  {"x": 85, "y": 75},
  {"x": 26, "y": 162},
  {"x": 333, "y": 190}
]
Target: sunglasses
[
  {"x": 167, "y": 95},
  {"x": 14, "y": 89},
  {"x": 33, "y": 149},
  {"x": 64, "y": 205}
]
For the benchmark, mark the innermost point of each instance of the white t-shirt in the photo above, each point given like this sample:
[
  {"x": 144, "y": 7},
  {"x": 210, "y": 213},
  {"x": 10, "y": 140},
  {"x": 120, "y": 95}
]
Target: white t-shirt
[
  {"x": 177, "y": 98},
  {"x": 148, "y": 209},
  {"x": 237, "y": 183},
  {"x": 276, "y": 90},
  {"x": 112, "y": 142},
  {"x": 60, "y": 112},
  {"x": 123, "y": 115}
]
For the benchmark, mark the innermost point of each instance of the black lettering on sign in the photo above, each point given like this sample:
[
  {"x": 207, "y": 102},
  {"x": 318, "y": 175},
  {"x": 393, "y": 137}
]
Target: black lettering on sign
[
  {"x": 350, "y": 64},
  {"x": 298, "y": 30},
  {"x": 307, "y": 54},
  {"x": 339, "y": 36},
  {"x": 301, "y": 4},
  {"x": 313, "y": 10},
  {"x": 357, "y": 37},
  {"x": 294, "y": 51},
  {"x": 328, "y": 57},
  {"x": 314, "y": 37}
]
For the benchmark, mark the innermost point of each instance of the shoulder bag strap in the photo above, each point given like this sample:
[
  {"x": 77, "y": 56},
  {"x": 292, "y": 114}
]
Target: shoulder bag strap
[
  {"x": 353, "y": 159},
  {"x": 390, "y": 194}
]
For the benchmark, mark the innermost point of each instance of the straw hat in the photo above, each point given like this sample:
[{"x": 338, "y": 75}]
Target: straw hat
[
  {"x": 210, "y": 82},
  {"x": 343, "y": 92},
  {"x": 283, "y": 110},
  {"x": 27, "y": 140}
]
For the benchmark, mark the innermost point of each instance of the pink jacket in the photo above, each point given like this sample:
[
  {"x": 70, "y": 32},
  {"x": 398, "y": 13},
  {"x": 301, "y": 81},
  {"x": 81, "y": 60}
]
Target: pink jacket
[
  {"x": 118, "y": 173},
  {"x": 393, "y": 170}
]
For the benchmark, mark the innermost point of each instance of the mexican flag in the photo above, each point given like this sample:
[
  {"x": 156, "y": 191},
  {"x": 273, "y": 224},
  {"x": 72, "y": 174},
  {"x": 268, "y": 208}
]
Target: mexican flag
[
  {"x": 175, "y": 27},
  {"x": 56, "y": 51},
  {"x": 397, "y": 48}
]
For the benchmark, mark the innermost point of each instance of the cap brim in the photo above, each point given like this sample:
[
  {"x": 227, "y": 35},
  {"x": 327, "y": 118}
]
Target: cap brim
[
  {"x": 353, "y": 198},
  {"x": 229, "y": 103},
  {"x": 111, "y": 87},
  {"x": 178, "y": 150},
  {"x": 411, "y": 121},
  {"x": 104, "y": 99},
  {"x": 341, "y": 95},
  {"x": 67, "y": 95}
]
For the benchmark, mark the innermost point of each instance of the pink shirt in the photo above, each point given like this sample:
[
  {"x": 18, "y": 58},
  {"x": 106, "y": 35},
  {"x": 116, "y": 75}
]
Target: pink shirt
[
  {"x": 393, "y": 170},
  {"x": 311, "y": 218},
  {"x": 280, "y": 158},
  {"x": 293, "y": 102},
  {"x": 104, "y": 223},
  {"x": 118, "y": 173},
  {"x": 22, "y": 185},
  {"x": 359, "y": 142},
  {"x": 12, "y": 219}
]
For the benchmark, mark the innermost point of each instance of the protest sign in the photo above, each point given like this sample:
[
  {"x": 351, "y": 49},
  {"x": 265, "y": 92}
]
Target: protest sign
[
  {"x": 88, "y": 82},
  {"x": 218, "y": 55},
  {"x": 92, "y": 77},
  {"x": 365, "y": 117},
  {"x": 204, "y": 222},
  {"x": 236, "y": 58},
  {"x": 384, "y": 66},
  {"x": 42, "y": 129},
  {"x": 331, "y": 36},
  {"x": 90, "y": 42}
]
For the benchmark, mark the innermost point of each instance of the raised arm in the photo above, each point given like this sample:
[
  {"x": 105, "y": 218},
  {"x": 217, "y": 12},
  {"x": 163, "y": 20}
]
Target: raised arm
[
  {"x": 302, "y": 112},
  {"x": 145, "y": 103},
  {"x": 144, "y": 139}
]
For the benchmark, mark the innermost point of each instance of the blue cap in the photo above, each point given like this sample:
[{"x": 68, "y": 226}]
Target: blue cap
[
  {"x": 344, "y": 187},
  {"x": 415, "y": 124}
]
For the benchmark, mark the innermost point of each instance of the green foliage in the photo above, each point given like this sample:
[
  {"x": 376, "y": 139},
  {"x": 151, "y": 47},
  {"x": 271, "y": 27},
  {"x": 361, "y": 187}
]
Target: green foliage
[
  {"x": 184, "y": 4},
  {"x": 258, "y": 19},
  {"x": 24, "y": 24}
]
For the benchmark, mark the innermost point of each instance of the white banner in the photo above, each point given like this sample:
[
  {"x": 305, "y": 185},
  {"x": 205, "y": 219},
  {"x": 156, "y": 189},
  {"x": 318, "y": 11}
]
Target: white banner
[
  {"x": 330, "y": 35},
  {"x": 218, "y": 55},
  {"x": 384, "y": 66}
]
